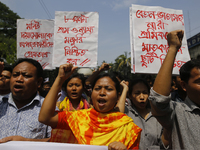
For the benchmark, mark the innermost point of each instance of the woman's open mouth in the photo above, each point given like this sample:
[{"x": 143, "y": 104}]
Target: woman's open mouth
[
  {"x": 101, "y": 102},
  {"x": 74, "y": 94}
]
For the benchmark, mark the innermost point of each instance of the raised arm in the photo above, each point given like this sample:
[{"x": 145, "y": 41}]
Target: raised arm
[
  {"x": 47, "y": 113},
  {"x": 161, "y": 107},
  {"x": 122, "y": 98},
  {"x": 162, "y": 82}
]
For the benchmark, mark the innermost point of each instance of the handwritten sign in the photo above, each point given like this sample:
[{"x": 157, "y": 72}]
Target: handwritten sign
[
  {"x": 25, "y": 145},
  {"x": 35, "y": 40},
  {"x": 149, "y": 28},
  {"x": 76, "y": 38}
]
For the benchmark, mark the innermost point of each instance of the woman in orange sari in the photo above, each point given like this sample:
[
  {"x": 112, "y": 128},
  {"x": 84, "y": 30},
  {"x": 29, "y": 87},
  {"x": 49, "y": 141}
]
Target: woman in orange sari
[{"x": 103, "y": 125}]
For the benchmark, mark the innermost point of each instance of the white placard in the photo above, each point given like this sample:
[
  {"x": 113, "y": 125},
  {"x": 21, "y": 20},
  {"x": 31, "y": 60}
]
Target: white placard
[
  {"x": 35, "y": 40},
  {"x": 150, "y": 26},
  {"x": 24, "y": 145},
  {"x": 76, "y": 38}
]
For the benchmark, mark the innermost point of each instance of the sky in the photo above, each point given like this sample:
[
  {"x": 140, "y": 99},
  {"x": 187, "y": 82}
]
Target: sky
[{"x": 114, "y": 30}]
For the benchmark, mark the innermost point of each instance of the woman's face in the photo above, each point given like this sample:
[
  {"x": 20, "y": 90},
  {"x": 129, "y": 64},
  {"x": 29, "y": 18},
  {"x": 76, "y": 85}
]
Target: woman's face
[
  {"x": 139, "y": 95},
  {"x": 104, "y": 95},
  {"x": 74, "y": 89}
]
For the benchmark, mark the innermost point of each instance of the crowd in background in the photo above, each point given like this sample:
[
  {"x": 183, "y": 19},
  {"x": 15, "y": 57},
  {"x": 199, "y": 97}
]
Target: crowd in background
[{"x": 101, "y": 108}]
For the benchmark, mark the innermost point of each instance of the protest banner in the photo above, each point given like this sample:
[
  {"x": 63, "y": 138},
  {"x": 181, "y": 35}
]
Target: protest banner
[
  {"x": 35, "y": 40},
  {"x": 76, "y": 38},
  {"x": 25, "y": 145},
  {"x": 149, "y": 28}
]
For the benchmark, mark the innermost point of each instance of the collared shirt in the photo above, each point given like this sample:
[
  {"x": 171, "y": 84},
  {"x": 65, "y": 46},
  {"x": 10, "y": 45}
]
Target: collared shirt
[
  {"x": 24, "y": 121},
  {"x": 151, "y": 129},
  {"x": 182, "y": 120},
  {"x": 176, "y": 97},
  {"x": 4, "y": 96}
]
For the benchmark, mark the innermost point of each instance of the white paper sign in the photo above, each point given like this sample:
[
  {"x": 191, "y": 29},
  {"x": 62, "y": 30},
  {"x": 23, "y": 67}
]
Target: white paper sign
[
  {"x": 24, "y": 145},
  {"x": 150, "y": 26},
  {"x": 35, "y": 40},
  {"x": 76, "y": 38}
]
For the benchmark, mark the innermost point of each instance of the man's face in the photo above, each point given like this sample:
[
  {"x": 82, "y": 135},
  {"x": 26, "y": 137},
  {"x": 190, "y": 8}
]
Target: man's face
[
  {"x": 193, "y": 86},
  {"x": 24, "y": 82},
  {"x": 5, "y": 80}
]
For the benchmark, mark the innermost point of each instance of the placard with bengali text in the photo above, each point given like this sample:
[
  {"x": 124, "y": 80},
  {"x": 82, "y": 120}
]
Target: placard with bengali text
[
  {"x": 35, "y": 40},
  {"x": 76, "y": 38},
  {"x": 149, "y": 26}
]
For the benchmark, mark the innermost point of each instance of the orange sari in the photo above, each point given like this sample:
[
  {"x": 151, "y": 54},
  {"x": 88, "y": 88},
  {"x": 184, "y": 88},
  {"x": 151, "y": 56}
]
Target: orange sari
[
  {"x": 66, "y": 136},
  {"x": 94, "y": 128}
]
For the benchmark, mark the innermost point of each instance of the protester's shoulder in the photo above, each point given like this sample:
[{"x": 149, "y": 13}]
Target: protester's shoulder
[
  {"x": 1, "y": 99},
  {"x": 39, "y": 99},
  {"x": 188, "y": 105},
  {"x": 161, "y": 99},
  {"x": 4, "y": 96},
  {"x": 130, "y": 111},
  {"x": 4, "y": 99}
]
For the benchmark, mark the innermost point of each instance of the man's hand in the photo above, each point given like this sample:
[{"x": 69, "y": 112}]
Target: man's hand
[
  {"x": 116, "y": 146},
  {"x": 12, "y": 138},
  {"x": 104, "y": 67},
  {"x": 20, "y": 138}
]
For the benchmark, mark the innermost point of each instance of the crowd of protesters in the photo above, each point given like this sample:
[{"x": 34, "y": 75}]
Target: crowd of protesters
[{"x": 102, "y": 108}]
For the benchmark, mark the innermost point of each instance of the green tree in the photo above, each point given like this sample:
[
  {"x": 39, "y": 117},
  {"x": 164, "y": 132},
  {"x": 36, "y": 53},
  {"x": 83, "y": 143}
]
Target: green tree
[
  {"x": 123, "y": 64},
  {"x": 8, "y": 26}
]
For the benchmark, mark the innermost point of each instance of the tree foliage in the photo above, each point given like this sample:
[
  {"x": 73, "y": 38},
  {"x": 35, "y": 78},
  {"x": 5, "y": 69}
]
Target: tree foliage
[
  {"x": 122, "y": 65},
  {"x": 8, "y": 27}
]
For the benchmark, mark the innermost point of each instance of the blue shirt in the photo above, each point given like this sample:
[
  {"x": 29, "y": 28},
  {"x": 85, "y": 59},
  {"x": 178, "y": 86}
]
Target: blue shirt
[{"x": 24, "y": 121}]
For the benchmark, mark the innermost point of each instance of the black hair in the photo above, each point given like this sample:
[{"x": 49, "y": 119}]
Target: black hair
[
  {"x": 8, "y": 68},
  {"x": 136, "y": 81},
  {"x": 146, "y": 76},
  {"x": 33, "y": 62},
  {"x": 74, "y": 75},
  {"x": 112, "y": 76},
  {"x": 186, "y": 69}
]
